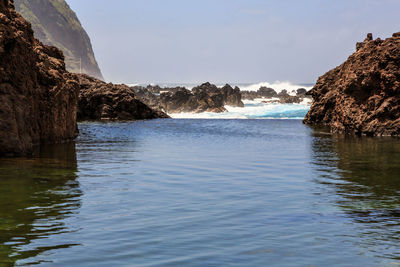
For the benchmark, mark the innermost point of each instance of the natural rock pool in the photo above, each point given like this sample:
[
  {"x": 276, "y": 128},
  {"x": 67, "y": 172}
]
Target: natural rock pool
[{"x": 203, "y": 193}]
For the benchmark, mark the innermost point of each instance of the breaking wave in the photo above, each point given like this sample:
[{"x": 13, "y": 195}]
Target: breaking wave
[
  {"x": 277, "y": 86},
  {"x": 254, "y": 109}
]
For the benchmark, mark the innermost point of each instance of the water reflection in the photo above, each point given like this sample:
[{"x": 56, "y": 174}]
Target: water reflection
[
  {"x": 37, "y": 195},
  {"x": 365, "y": 176}
]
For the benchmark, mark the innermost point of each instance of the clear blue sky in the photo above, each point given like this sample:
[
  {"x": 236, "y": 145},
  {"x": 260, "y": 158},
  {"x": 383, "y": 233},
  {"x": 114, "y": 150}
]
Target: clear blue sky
[{"x": 140, "y": 41}]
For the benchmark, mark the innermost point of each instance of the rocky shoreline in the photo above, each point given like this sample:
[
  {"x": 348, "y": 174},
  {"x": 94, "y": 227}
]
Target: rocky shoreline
[
  {"x": 106, "y": 101},
  {"x": 361, "y": 96},
  {"x": 41, "y": 102},
  {"x": 210, "y": 98},
  {"x": 38, "y": 96},
  {"x": 40, "y": 99}
]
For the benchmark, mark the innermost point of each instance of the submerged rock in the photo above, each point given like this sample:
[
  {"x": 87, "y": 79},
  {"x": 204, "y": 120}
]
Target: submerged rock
[
  {"x": 283, "y": 97},
  {"x": 106, "y": 101},
  {"x": 38, "y": 97},
  {"x": 361, "y": 96}
]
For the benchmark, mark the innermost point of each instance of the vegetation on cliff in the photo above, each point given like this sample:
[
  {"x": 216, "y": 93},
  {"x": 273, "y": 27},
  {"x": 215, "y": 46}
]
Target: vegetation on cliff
[{"x": 54, "y": 23}]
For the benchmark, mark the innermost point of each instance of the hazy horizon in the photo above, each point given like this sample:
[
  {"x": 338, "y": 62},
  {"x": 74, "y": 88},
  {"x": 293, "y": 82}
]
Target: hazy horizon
[{"x": 235, "y": 41}]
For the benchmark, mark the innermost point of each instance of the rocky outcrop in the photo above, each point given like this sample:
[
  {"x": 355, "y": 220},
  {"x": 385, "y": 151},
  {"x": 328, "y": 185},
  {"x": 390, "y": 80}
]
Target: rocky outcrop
[
  {"x": 263, "y": 92},
  {"x": 106, "y": 101},
  {"x": 186, "y": 101},
  {"x": 283, "y": 97},
  {"x": 54, "y": 23},
  {"x": 361, "y": 96},
  {"x": 38, "y": 97},
  {"x": 204, "y": 98},
  {"x": 230, "y": 96}
]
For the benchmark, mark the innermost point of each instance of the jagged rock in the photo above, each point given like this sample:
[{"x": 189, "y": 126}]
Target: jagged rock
[
  {"x": 362, "y": 44},
  {"x": 267, "y": 92},
  {"x": 195, "y": 101},
  {"x": 150, "y": 98},
  {"x": 38, "y": 97},
  {"x": 106, "y": 101},
  {"x": 230, "y": 96},
  {"x": 285, "y": 98},
  {"x": 301, "y": 92},
  {"x": 289, "y": 99},
  {"x": 263, "y": 92},
  {"x": 204, "y": 98},
  {"x": 361, "y": 96}
]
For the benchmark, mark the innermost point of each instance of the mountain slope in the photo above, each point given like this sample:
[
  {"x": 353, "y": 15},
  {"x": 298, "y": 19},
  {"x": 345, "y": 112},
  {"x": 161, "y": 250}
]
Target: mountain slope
[{"x": 54, "y": 23}]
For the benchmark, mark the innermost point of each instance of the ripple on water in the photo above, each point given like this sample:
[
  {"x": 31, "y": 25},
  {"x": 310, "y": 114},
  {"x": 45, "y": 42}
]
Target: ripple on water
[{"x": 204, "y": 192}]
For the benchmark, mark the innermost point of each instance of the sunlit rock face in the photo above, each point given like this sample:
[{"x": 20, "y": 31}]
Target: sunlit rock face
[
  {"x": 361, "y": 96},
  {"x": 38, "y": 97}
]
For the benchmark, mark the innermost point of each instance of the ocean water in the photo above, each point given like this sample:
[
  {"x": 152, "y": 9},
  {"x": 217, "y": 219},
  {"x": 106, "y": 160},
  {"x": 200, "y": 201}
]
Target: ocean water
[
  {"x": 254, "y": 109},
  {"x": 195, "y": 192}
]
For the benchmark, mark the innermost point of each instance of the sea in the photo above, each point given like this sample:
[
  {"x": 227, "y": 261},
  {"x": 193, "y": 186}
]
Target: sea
[
  {"x": 253, "y": 109},
  {"x": 261, "y": 190}
]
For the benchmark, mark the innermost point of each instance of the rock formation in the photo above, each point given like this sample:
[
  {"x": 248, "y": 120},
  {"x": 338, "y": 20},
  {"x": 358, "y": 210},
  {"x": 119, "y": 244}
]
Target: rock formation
[
  {"x": 283, "y": 97},
  {"x": 204, "y": 98},
  {"x": 54, "y": 23},
  {"x": 106, "y": 101},
  {"x": 361, "y": 96},
  {"x": 38, "y": 97}
]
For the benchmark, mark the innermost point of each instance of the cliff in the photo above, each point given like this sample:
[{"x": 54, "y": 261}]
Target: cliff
[
  {"x": 38, "y": 97},
  {"x": 361, "y": 96},
  {"x": 55, "y": 24}
]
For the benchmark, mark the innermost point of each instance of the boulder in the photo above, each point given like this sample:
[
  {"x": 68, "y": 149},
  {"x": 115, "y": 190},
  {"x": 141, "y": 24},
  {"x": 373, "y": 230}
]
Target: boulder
[
  {"x": 361, "y": 96},
  {"x": 106, "y": 101},
  {"x": 232, "y": 96},
  {"x": 301, "y": 92},
  {"x": 267, "y": 92}
]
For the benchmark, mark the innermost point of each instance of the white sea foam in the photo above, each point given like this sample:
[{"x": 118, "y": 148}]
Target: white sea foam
[
  {"x": 277, "y": 86},
  {"x": 254, "y": 109}
]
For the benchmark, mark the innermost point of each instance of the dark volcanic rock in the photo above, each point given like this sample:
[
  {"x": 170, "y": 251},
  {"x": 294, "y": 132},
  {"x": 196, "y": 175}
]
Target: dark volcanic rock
[
  {"x": 38, "y": 97},
  {"x": 106, "y": 101},
  {"x": 230, "y": 96},
  {"x": 285, "y": 98},
  {"x": 361, "y": 96},
  {"x": 263, "y": 92},
  {"x": 301, "y": 92},
  {"x": 196, "y": 101},
  {"x": 204, "y": 98}
]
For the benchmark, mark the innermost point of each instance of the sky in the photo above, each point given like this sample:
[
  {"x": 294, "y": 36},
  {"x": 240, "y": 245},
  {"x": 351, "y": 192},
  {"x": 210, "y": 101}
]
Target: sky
[{"x": 234, "y": 41}]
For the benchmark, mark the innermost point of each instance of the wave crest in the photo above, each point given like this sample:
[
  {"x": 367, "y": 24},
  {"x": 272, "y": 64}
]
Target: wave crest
[{"x": 277, "y": 86}]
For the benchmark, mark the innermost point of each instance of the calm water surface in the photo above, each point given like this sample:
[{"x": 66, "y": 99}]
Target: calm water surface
[{"x": 203, "y": 193}]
